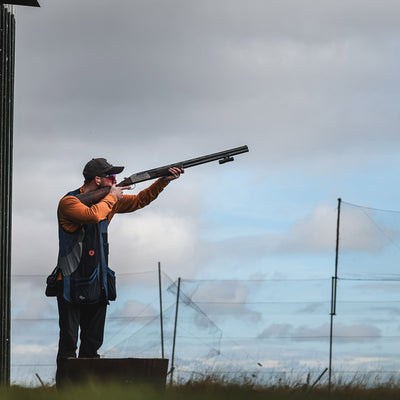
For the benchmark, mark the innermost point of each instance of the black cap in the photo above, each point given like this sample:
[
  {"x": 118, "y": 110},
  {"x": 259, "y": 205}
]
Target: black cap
[{"x": 100, "y": 167}]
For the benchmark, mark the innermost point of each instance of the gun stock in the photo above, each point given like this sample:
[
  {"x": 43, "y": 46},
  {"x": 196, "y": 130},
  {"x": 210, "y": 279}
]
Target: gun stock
[{"x": 222, "y": 157}]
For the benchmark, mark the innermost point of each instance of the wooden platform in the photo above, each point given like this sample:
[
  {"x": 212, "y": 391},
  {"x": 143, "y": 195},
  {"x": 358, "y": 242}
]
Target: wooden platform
[{"x": 120, "y": 370}]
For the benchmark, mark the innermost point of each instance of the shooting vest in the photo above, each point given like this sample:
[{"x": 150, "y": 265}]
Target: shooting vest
[{"x": 83, "y": 261}]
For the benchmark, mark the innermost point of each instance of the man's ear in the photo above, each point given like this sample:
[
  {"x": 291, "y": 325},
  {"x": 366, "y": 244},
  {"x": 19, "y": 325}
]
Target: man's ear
[{"x": 97, "y": 180}]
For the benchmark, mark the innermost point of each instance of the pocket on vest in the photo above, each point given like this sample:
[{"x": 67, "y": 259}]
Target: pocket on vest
[
  {"x": 53, "y": 284},
  {"x": 86, "y": 289},
  {"x": 112, "y": 291}
]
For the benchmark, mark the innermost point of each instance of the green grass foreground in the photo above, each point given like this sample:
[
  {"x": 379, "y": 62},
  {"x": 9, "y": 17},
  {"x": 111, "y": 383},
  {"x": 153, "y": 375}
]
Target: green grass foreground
[{"x": 198, "y": 391}]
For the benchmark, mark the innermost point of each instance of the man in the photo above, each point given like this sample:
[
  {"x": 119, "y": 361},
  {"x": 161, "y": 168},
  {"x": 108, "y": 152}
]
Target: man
[{"x": 87, "y": 282}]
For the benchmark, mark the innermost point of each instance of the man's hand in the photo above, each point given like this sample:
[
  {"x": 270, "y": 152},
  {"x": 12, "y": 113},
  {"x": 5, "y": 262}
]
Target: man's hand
[
  {"x": 175, "y": 173},
  {"x": 119, "y": 190}
]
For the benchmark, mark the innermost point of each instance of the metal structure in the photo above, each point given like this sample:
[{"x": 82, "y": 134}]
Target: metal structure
[
  {"x": 161, "y": 310},
  {"x": 174, "y": 339},
  {"x": 7, "y": 63},
  {"x": 333, "y": 295},
  {"x": 7, "y": 28}
]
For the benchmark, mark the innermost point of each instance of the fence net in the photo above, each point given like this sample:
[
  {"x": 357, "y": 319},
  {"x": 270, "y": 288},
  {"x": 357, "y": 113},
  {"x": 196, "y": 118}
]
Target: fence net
[
  {"x": 366, "y": 328},
  {"x": 228, "y": 329},
  {"x": 267, "y": 331}
]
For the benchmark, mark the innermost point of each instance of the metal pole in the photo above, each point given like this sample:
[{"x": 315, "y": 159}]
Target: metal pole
[
  {"x": 318, "y": 379},
  {"x": 333, "y": 295},
  {"x": 337, "y": 237},
  {"x": 7, "y": 56},
  {"x": 161, "y": 310},
  {"x": 331, "y": 333},
  {"x": 176, "y": 322}
]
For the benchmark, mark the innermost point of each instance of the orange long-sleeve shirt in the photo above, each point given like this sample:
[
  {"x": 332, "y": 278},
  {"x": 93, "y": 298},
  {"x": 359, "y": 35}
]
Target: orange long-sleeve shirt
[{"x": 73, "y": 214}]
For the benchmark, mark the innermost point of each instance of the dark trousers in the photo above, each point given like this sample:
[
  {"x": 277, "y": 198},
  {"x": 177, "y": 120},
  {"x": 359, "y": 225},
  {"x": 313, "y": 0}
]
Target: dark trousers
[{"x": 90, "y": 318}]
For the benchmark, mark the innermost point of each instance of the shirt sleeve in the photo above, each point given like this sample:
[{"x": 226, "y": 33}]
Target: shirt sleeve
[
  {"x": 130, "y": 203},
  {"x": 73, "y": 213}
]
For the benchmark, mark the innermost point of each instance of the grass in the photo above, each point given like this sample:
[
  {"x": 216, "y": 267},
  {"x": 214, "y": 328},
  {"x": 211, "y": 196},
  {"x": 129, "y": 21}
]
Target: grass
[{"x": 207, "y": 389}]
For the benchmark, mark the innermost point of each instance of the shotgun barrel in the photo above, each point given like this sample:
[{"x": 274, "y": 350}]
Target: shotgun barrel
[{"x": 222, "y": 157}]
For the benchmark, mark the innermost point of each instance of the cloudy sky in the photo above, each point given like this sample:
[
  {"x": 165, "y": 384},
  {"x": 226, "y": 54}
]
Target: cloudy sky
[{"x": 310, "y": 86}]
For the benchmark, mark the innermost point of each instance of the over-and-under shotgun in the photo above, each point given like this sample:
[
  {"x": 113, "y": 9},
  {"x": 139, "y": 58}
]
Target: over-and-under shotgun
[{"x": 95, "y": 196}]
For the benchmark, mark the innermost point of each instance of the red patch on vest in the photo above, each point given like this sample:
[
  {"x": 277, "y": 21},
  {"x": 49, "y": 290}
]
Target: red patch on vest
[{"x": 91, "y": 252}]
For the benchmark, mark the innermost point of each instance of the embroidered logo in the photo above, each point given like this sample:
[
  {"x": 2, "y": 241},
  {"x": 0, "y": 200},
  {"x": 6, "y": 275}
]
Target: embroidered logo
[{"x": 91, "y": 252}]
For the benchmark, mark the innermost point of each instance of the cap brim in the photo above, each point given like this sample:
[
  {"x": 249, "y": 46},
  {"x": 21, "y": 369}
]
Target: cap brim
[{"x": 115, "y": 170}]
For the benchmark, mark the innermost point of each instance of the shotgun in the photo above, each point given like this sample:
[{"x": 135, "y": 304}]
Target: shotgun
[{"x": 223, "y": 157}]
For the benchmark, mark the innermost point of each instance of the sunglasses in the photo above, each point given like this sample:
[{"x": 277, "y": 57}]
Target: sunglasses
[{"x": 111, "y": 177}]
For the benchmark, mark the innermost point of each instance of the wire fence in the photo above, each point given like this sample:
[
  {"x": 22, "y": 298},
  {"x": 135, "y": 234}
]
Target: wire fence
[
  {"x": 268, "y": 331},
  {"x": 234, "y": 329}
]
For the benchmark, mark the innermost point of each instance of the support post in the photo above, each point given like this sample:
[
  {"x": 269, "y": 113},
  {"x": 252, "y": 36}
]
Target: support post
[
  {"x": 174, "y": 341},
  {"x": 333, "y": 295},
  {"x": 331, "y": 332},
  {"x": 7, "y": 56},
  {"x": 161, "y": 310}
]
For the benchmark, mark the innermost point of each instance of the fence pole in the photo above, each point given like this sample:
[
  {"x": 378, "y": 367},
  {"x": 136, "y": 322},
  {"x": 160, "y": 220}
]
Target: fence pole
[
  {"x": 174, "y": 341},
  {"x": 7, "y": 60},
  {"x": 331, "y": 332},
  {"x": 161, "y": 310},
  {"x": 318, "y": 379},
  {"x": 333, "y": 295}
]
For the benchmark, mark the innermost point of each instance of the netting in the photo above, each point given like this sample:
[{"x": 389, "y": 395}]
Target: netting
[
  {"x": 227, "y": 329},
  {"x": 366, "y": 327},
  {"x": 132, "y": 324},
  {"x": 260, "y": 326},
  {"x": 264, "y": 330}
]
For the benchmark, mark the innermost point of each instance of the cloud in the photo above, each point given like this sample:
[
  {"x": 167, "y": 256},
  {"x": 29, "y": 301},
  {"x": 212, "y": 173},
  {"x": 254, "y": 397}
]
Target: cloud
[
  {"x": 293, "y": 79},
  {"x": 362, "y": 230},
  {"x": 390, "y": 311},
  {"x": 281, "y": 77},
  {"x": 134, "y": 309},
  {"x": 32, "y": 350},
  {"x": 342, "y": 333},
  {"x": 34, "y": 252},
  {"x": 317, "y": 231},
  {"x": 313, "y": 234},
  {"x": 149, "y": 237},
  {"x": 311, "y": 308},
  {"x": 221, "y": 299},
  {"x": 276, "y": 330}
]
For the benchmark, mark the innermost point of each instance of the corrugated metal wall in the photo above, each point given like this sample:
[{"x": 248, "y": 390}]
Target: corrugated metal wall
[{"x": 7, "y": 50}]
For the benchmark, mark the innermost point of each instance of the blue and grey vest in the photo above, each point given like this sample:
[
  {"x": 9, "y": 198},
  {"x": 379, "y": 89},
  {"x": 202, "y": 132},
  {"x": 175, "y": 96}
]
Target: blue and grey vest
[{"x": 83, "y": 260}]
